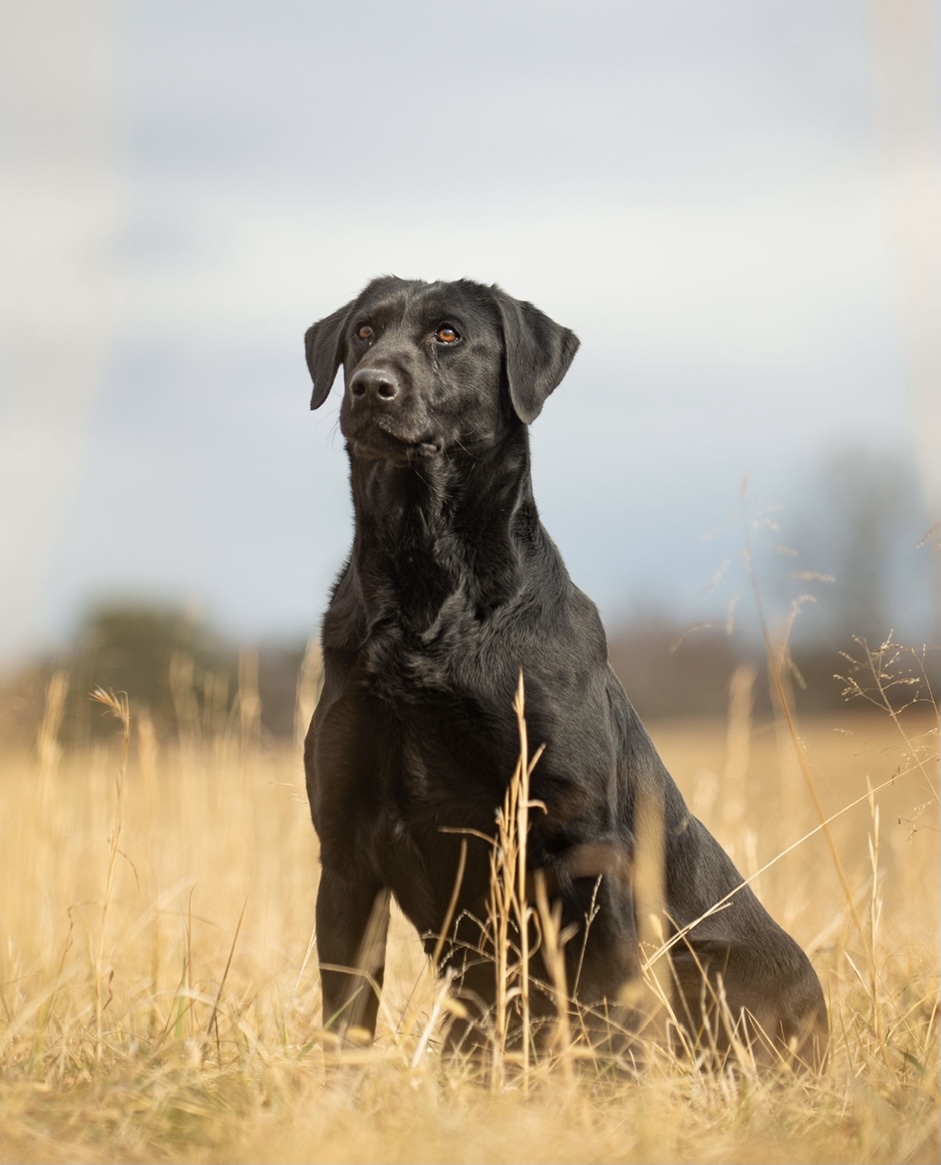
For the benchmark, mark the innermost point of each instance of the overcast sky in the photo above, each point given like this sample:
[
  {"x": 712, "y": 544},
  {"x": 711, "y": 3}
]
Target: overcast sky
[{"x": 735, "y": 206}]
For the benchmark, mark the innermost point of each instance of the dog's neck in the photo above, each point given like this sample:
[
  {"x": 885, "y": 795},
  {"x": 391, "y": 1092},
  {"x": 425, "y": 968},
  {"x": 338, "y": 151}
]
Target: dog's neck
[{"x": 444, "y": 529}]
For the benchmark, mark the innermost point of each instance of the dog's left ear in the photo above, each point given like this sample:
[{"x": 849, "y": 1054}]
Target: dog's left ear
[
  {"x": 323, "y": 343},
  {"x": 538, "y": 354}
]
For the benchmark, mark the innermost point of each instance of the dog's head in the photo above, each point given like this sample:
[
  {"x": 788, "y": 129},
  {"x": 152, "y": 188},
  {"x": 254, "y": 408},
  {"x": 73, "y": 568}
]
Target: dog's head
[{"x": 432, "y": 367}]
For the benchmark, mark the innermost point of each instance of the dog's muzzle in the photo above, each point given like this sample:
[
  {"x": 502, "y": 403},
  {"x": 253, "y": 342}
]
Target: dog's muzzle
[{"x": 382, "y": 421}]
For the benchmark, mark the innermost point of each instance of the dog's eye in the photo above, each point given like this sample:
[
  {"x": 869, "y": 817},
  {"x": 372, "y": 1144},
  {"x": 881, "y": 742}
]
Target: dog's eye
[
  {"x": 364, "y": 331},
  {"x": 446, "y": 335}
]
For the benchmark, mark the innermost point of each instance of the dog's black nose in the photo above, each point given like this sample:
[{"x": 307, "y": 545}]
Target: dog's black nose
[{"x": 374, "y": 384}]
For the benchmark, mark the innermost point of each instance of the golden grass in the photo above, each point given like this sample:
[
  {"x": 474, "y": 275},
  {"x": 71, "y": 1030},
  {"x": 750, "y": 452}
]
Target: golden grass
[{"x": 159, "y": 999}]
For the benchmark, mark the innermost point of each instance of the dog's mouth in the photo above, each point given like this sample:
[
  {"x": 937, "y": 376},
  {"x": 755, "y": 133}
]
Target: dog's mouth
[{"x": 377, "y": 443}]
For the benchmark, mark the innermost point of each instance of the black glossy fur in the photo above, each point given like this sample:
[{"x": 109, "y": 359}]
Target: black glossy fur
[{"x": 451, "y": 588}]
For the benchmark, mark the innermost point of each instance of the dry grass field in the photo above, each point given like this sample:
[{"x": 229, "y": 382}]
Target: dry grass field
[{"x": 159, "y": 1000}]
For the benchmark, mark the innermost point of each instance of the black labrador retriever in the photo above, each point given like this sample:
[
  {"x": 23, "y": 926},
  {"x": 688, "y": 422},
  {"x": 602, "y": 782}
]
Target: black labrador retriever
[{"x": 452, "y": 588}]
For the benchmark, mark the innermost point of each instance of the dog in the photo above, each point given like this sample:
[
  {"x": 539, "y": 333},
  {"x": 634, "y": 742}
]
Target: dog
[{"x": 453, "y": 589}]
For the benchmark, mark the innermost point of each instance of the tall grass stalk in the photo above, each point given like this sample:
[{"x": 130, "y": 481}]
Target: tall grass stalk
[
  {"x": 777, "y": 656},
  {"x": 883, "y": 677},
  {"x": 511, "y": 914},
  {"x": 118, "y": 705}
]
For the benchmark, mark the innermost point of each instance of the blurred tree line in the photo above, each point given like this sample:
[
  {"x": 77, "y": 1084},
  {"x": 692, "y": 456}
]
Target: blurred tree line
[
  {"x": 187, "y": 681},
  {"x": 192, "y": 685},
  {"x": 863, "y": 539}
]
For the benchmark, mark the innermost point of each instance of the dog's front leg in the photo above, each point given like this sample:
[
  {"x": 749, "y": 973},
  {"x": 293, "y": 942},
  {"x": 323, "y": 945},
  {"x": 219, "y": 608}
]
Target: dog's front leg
[{"x": 352, "y": 925}]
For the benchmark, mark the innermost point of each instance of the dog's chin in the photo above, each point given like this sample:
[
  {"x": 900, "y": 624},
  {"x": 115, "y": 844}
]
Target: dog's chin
[{"x": 375, "y": 444}]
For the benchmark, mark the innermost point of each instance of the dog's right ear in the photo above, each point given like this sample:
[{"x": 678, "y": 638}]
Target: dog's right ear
[{"x": 323, "y": 343}]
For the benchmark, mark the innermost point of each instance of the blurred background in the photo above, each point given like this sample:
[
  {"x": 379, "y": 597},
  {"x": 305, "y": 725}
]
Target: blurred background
[{"x": 737, "y": 207}]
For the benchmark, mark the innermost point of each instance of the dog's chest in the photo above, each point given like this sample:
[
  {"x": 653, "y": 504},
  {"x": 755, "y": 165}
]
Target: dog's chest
[
  {"x": 442, "y": 767},
  {"x": 437, "y": 804},
  {"x": 414, "y": 657}
]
